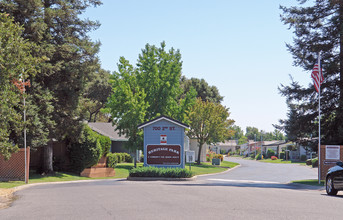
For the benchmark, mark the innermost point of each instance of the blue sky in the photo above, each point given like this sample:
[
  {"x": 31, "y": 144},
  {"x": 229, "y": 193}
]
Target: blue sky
[{"x": 237, "y": 46}]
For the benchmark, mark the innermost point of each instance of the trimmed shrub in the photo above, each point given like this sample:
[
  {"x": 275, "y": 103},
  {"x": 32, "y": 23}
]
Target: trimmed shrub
[
  {"x": 273, "y": 157},
  {"x": 270, "y": 153},
  {"x": 105, "y": 143},
  {"x": 86, "y": 152},
  {"x": 127, "y": 158},
  {"x": 160, "y": 172},
  {"x": 315, "y": 162},
  {"x": 112, "y": 160},
  {"x": 309, "y": 162},
  {"x": 303, "y": 157}
]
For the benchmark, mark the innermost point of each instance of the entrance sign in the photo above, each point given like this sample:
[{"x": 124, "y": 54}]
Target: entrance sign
[
  {"x": 332, "y": 152},
  {"x": 163, "y": 155},
  {"x": 164, "y": 144}
]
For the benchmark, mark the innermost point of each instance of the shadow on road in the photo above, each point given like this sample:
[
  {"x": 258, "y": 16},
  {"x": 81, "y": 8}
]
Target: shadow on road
[{"x": 292, "y": 186}]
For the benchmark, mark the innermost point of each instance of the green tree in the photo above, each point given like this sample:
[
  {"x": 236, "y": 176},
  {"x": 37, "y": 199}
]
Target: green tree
[
  {"x": 149, "y": 90},
  {"x": 209, "y": 123},
  {"x": 252, "y": 133},
  {"x": 16, "y": 63},
  {"x": 239, "y": 133},
  {"x": 97, "y": 91},
  {"x": 317, "y": 28},
  {"x": 204, "y": 91},
  {"x": 127, "y": 104},
  {"x": 61, "y": 37}
]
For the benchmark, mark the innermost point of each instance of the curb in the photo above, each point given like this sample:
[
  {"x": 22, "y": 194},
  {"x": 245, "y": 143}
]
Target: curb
[
  {"x": 17, "y": 188},
  {"x": 160, "y": 179},
  {"x": 226, "y": 171}
]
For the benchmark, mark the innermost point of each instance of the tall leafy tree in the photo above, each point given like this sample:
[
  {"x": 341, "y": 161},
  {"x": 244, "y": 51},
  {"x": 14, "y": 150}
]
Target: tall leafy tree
[
  {"x": 318, "y": 27},
  {"x": 252, "y": 133},
  {"x": 146, "y": 91},
  {"x": 16, "y": 64},
  {"x": 210, "y": 123},
  {"x": 204, "y": 91},
  {"x": 95, "y": 97},
  {"x": 127, "y": 104},
  {"x": 61, "y": 37}
]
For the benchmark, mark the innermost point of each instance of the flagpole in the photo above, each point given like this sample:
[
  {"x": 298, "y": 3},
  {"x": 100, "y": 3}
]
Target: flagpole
[{"x": 319, "y": 164}]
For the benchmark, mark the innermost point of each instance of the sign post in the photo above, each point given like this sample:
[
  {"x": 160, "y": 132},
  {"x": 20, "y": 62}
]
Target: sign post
[{"x": 190, "y": 158}]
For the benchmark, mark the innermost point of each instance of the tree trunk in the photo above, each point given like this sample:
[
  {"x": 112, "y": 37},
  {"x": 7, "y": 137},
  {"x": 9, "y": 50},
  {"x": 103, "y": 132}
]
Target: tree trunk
[
  {"x": 199, "y": 153},
  {"x": 47, "y": 161}
]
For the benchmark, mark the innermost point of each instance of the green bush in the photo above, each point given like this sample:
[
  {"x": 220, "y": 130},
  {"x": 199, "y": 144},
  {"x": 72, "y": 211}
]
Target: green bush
[
  {"x": 86, "y": 152},
  {"x": 105, "y": 143},
  {"x": 127, "y": 158},
  {"x": 282, "y": 155},
  {"x": 315, "y": 162},
  {"x": 160, "y": 172},
  {"x": 270, "y": 153},
  {"x": 252, "y": 155},
  {"x": 141, "y": 159},
  {"x": 303, "y": 158},
  {"x": 309, "y": 162},
  {"x": 258, "y": 157},
  {"x": 112, "y": 160}
]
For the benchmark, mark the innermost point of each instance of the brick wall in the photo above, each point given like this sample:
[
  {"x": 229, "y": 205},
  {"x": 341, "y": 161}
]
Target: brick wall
[
  {"x": 14, "y": 168},
  {"x": 325, "y": 164}
]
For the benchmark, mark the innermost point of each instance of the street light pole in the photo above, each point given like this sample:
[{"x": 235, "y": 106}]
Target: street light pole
[
  {"x": 255, "y": 144},
  {"x": 25, "y": 133}
]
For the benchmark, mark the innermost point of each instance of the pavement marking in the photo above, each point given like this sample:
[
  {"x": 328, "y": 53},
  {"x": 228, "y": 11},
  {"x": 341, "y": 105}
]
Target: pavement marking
[{"x": 243, "y": 181}]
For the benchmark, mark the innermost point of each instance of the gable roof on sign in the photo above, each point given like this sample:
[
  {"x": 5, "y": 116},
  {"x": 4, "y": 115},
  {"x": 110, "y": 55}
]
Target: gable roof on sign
[
  {"x": 107, "y": 129},
  {"x": 163, "y": 117}
]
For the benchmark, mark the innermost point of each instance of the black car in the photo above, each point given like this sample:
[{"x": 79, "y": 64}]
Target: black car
[{"x": 334, "y": 179}]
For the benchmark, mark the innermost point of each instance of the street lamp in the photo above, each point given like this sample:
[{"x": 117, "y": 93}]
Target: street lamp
[{"x": 255, "y": 144}]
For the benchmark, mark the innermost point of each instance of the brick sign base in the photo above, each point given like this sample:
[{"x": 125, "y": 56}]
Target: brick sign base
[{"x": 326, "y": 164}]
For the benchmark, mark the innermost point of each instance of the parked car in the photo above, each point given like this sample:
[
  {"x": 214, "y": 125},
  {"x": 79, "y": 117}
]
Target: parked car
[{"x": 334, "y": 179}]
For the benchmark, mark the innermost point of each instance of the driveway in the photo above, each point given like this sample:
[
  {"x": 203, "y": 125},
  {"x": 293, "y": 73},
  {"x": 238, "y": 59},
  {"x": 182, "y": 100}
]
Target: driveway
[{"x": 251, "y": 170}]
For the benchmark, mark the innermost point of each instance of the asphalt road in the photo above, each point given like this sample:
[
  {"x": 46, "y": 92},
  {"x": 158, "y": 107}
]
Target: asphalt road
[{"x": 225, "y": 196}]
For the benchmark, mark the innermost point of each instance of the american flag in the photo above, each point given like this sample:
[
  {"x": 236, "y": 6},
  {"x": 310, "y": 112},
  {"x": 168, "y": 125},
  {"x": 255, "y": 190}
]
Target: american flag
[{"x": 317, "y": 76}]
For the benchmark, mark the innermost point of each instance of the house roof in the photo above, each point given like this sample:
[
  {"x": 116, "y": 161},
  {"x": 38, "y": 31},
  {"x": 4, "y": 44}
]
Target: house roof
[
  {"x": 274, "y": 143},
  {"x": 107, "y": 129},
  {"x": 163, "y": 117},
  {"x": 227, "y": 143}
]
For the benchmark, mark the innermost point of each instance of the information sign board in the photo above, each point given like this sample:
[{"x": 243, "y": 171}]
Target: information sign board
[
  {"x": 163, "y": 154},
  {"x": 190, "y": 157},
  {"x": 332, "y": 152}
]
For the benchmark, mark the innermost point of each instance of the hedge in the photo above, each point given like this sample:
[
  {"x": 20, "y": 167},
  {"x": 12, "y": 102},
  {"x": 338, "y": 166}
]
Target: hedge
[
  {"x": 160, "y": 172},
  {"x": 114, "y": 158}
]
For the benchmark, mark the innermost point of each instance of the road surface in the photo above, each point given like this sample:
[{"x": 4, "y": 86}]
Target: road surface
[{"x": 225, "y": 196}]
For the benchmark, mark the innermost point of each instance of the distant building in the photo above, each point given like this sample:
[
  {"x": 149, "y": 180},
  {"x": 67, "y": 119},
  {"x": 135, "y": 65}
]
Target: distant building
[{"x": 109, "y": 130}]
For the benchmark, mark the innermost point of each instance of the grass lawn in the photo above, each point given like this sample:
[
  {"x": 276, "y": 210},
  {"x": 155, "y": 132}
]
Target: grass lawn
[
  {"x": 281, "y": 161},
  {"x": 310, "y": 182},
  {"x": 207, "y": 168},
  {"x": 122, "y": 171}
]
